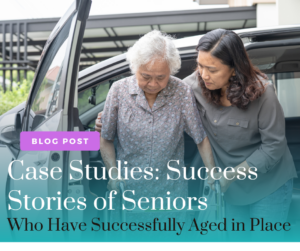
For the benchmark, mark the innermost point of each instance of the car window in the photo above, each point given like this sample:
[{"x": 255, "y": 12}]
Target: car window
[
  {"x": 46, "y": 94},
  {"x": 288, "y": 91},
  {"x": 101, "y": 92},
  {"x": 46, "y": 100},
  {"x": 282, "y": 66},
  {"x": 188, "y": 66}
]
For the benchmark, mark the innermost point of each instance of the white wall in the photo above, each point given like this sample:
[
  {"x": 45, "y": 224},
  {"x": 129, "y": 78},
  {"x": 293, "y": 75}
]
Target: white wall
[
  {"x": 283, "y": 12},
  {"x": 266, "y": 14},
  {"x": 288, "y": 12},
  {"x": 249, "y": 2}
]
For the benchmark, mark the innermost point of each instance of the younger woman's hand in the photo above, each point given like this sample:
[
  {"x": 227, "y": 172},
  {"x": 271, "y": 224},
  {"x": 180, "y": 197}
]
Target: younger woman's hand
[
  {"x": 224, "y": 183},
  {"x": 98, "y": 124}
]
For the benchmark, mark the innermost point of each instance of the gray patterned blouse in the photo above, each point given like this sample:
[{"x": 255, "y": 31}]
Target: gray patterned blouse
[{"x": 152, "y": 137}]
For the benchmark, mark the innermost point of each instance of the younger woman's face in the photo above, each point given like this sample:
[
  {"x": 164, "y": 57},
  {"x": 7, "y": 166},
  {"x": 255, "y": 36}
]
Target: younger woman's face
[{"x": 214, "y": 73}]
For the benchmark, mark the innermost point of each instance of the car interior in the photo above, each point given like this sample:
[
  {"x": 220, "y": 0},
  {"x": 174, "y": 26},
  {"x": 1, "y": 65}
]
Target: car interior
[{"x": 279, "y": 60}]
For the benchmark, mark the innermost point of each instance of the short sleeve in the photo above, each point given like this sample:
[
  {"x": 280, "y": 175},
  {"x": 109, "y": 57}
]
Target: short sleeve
[
  {"x": 192, "y": 121},
  {"x": 271, "y": 123},
  {"x": 110, "y": 114}
]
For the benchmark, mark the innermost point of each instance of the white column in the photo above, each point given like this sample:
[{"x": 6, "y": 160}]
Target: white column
[
  {"x": 266, "y": 15},
  {"x": 288, "y": 12}
]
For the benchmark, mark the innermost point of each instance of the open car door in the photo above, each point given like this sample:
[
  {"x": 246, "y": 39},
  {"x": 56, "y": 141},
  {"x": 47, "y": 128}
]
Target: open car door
[{"x": 51, "y": 106}]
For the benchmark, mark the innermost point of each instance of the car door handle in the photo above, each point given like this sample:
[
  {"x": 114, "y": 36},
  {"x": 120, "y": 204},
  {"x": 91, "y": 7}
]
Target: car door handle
[{"x": 40, "y": 162}]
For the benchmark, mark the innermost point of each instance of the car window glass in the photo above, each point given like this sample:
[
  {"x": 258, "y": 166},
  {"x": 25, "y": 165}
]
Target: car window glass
[
  {"x": 46, "y": 99},
  {"x": 101, "y": 92},
  {"x": 188, "y": 66},
  {"x": 282, "y": 66},
  {"x": 92, "y": 124},
  {"x": 288, "y": 91},
  {"x": 46, "y": 94}
]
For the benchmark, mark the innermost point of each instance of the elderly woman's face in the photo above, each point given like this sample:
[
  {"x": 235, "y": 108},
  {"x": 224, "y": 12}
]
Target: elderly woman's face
[
  {"x": 214, "y": 73},
  {"x": 153, "y": 77}
]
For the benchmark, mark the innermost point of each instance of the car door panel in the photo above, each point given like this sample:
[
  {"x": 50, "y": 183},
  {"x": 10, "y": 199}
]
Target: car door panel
[{"x": 63, "y": 48}]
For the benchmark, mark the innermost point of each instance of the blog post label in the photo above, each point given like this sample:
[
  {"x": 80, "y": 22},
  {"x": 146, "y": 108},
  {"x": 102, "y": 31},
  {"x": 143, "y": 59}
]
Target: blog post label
[{"x": 60, "y": 141}]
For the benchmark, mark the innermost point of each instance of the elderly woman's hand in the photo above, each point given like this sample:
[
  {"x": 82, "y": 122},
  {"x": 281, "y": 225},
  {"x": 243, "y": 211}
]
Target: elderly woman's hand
[
  {"x": 211, "y": 180},
  {"x": 98, "y": 124},
  {"x": 114, "y": 184}
]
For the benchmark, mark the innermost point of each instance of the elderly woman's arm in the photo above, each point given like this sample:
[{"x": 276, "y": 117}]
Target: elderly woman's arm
[
  {"x": 109, "y": 157},
  {"x": 205, "y": 151},
  {"x": 108, "y": 129},
  {"x": 194, "y": 128}
]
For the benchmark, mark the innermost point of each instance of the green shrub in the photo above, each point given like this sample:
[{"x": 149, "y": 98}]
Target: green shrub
[{"x": 11, "y": 99}]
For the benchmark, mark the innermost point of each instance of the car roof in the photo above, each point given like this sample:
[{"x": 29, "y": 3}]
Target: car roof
[{"x": 191, "y": 42}]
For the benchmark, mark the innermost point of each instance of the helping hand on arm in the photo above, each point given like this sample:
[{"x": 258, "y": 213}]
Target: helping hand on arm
[
  {"x": 231, "y": 176},
  {"x": 98, "y": 124},
  {"x": 205, "y": 151}
]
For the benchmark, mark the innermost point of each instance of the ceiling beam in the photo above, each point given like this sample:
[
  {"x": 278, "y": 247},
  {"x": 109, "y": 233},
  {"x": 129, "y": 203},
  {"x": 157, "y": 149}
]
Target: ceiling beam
[
  {"x": 94, "y": 50},
  {"x": 118, "y": 38},
  {"x": 147, "y": 18},
  {"x": 95, "y": 59},
  {"x": 119, "y": 49}
]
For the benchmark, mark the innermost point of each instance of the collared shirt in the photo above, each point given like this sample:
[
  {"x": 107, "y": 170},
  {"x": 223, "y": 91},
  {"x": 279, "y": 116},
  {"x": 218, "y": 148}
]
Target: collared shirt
[
  {"x": 256, "y": 135},
  {"x": 152, "y": 137}
]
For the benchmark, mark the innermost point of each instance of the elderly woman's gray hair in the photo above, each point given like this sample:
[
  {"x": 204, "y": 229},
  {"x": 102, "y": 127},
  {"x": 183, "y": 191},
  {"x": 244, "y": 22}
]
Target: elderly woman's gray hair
[{"x": 154, "y": 45}]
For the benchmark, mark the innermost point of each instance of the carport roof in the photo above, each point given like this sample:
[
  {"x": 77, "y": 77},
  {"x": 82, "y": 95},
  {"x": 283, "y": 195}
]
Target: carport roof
[{"x": 109, "y": 35}]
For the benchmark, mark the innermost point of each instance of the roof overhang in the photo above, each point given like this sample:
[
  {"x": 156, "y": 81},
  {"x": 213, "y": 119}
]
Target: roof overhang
[{"x": 109, "y": 35}]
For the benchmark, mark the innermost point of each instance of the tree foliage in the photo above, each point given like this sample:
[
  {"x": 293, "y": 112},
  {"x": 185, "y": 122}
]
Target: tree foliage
[{"x": 11, "y": 99}]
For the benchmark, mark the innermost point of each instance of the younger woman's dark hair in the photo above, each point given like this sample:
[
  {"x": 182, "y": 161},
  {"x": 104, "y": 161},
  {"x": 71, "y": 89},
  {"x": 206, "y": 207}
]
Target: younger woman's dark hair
[{"x": 247, "y": 85}]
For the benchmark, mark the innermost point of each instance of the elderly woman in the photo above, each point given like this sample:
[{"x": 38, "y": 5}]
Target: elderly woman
[
  {"x": 246, "y": 127},
  {"x": 148, "y": 113}
]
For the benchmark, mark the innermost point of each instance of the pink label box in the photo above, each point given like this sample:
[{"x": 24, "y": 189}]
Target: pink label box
[{"x": 60, "y": 141}]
